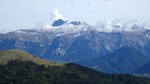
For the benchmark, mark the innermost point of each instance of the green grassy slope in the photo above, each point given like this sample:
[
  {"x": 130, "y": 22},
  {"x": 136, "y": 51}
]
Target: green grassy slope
[{"x": 9, "y": 55}]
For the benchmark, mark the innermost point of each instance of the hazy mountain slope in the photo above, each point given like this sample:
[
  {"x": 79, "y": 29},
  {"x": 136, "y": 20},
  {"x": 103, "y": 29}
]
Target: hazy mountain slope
[
  {"x": 58, "y": 47},
  {"x": 145, "y": 69},
  {"x": 123, "y": 60}
]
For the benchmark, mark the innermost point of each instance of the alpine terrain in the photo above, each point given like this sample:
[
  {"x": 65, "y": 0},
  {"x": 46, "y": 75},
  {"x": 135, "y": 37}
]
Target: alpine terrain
[{"x": 76, "y": 41}]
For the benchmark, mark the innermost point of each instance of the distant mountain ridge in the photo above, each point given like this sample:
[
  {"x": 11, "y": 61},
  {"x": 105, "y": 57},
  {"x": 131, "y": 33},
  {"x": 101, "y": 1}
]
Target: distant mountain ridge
[
  {"x": 123, "y": 60},
  {"x": 145, "y": 69}
]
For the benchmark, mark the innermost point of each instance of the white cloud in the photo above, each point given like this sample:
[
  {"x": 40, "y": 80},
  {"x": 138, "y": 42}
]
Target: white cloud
[
  {"x": 105, "y": 26},
  {"x": 55, "y": 15},
  {"x": 120, "y": 25}
]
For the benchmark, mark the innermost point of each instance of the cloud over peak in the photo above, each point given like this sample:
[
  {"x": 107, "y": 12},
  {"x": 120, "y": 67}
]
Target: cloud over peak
[{"x": 55, "y": 15}]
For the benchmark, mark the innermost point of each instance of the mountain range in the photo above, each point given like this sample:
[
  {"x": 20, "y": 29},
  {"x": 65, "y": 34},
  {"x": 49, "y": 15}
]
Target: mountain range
[
  {"x": 78, "y": 41},
  {"x": 123, "y": 60}
]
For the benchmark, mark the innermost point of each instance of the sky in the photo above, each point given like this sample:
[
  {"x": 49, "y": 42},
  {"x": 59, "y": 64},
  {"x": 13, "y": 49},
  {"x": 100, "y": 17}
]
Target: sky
[{"x": 21, "y": 14}]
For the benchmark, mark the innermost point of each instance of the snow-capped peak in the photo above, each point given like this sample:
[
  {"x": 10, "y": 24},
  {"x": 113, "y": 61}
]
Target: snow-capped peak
[
  {"x": 119, "y": 26},
  {"x": 61, "y": 27}
]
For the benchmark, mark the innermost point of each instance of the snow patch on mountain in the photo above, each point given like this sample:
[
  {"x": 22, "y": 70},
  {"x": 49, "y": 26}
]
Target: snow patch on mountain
[
  {"x": 74, "y": 26},
  {"x": 79, "y": 26},
  {"x": 121, "y": 25}
]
